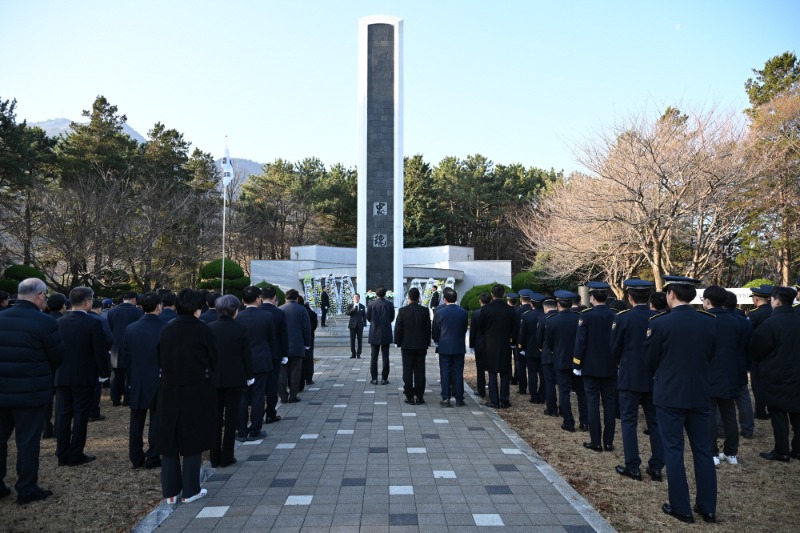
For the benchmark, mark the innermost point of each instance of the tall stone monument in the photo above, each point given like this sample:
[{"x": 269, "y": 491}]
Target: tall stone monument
[{"x": 379, "y": 257}]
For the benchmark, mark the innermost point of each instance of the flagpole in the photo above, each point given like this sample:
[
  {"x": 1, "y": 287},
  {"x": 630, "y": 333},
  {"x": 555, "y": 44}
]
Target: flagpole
[{"x": 227, "y": 176}]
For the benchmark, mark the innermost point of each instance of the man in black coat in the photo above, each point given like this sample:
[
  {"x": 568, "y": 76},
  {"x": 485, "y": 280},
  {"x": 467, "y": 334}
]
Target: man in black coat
[
  {"x": 298, "y": 326},
  {"x": 497, "y": 321},
  {"x": 560, "y": 332},
  {"x": 30, "y": 353},
  {"x": 477, "y": 344},
  {"x": 140, "y": 355},
  {"x": 325, "y": 304},
  {"x": 775, "y": 346},
  {"x": 85, "y": 361},
  {"x": 119, "y": 318},
  {"x": 261, "y": 334},
  {"x": 634, "y": 381},
  {"x": 677, "y": 351},
  {"x": 761, "y": 299},
  {"x": 380, "y": 314},
  {"x": 412, "y": 334},
  {"x": 596, "y": 366},
  {"x": 210, "y": 315},
  {"x": 279, "y": 349},
  {"x": 358, "y": 320}
]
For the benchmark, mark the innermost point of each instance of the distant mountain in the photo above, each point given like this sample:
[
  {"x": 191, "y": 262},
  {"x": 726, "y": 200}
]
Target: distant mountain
[{"x": 57, "y": 126}]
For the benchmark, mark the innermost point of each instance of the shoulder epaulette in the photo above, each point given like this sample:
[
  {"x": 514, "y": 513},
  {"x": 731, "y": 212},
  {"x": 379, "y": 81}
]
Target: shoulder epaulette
[
  {"x": 662, "y": 313},
  {"x": 706, "y": 313},
  {"x": 796, "y": 305},
  {"x": 548, "y": 317},
  {"x": 623, "y": 312},
  {"x": 587, "y": 310}
]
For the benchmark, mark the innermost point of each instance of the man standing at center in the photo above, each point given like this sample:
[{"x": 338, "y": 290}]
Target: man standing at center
[
  {"x": 497, "y": 326},
  {"x": 412, "y": 334},
  {"x": 449, "y": 332},
  {"x": 358, "y": 319},
  {"x": 380, "y": 314},
  {"x": 298, "y": 327}
]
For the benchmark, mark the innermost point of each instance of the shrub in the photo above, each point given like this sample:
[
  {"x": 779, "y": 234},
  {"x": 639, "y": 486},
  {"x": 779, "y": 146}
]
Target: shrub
[
  {"x": 757, "y": 283},
  {"x": 216, "y": 283},
  {"x": 9, "y": 285},
  {"x": 213, "y": 270},
  {"x": 470, "y": 299},
  {"x": 22, "y": 272}
]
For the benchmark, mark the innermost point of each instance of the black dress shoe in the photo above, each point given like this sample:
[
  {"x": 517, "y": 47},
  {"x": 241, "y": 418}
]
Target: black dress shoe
[
  {"x": 593, "y": 447},
  {"x": 82, "y": 460},
  {"x": 373, "y": 381},
  {"x": 35, "y": 496},
  {"x": 153, "y": 463},
  {"x": 772, "y": 456},
  {"x": 460, "y": 404},
  {"x": 492, "y": 405},
  {"x": 584, "y": 427},
  {"x": 4, "y": 491},
  {"x": 608, "y": 447},
  {"x": 409, "y": 400},
  {"x": 384, "y": 382},
  {"x": 711, "y": 518},
  {"x": 655, "y": 475},
  {"x": 419, "y": 401},
  {"x": 549, "y": 413},
  {"x": 273, "y": 419},
  {"x": 629, "y": 472},
  {"x": 646, "y": 431},
  {"x": 667, "y": 508},
  {"x": 565, "y": 427},
  {"x": 352, "y": 357},
  {"x": 97, "y": 418},
  {"x": 505, "y": 405},
  {"x": 795, "y": 455},
  {"x": 223, "y": 464}
]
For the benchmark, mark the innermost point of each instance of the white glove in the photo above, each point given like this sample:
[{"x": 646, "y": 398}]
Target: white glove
[
  {"x": 102, "y": 380},
  {"x": 472, "y": 350},
  {"x": 251, "y": 381},
  {"x": 284, "y": 360},
  {"x": 522, "y": 352},
  {"x": 576, "y": 371}
]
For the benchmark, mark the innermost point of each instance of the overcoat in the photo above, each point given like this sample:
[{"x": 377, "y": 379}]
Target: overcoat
[
  {"x": 380, "y": 313},
  {"x": 140, "y": 355},
  {"x": 776, "y": 347},
  {"x": 497, "y": 324}
]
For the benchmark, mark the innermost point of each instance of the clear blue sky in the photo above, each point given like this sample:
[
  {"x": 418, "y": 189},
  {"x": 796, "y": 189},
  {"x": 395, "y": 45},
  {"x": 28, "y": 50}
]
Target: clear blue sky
[{"x": 517, "y": 81}]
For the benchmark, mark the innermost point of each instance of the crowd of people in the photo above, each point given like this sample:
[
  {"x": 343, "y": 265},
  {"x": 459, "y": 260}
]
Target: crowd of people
[{"x": 208, "y": 370}]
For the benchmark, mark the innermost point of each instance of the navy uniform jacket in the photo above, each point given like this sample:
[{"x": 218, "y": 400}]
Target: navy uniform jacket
[
  {"x": 746, "y": 331},
  {"x": 234, "y": 363},
  {"x": 168, "y": 314},
  {"x": 380, "y": 313},
  {"x": 140, "y": 354},
  {"x": 209, "y": 316},
  {"x": 519, "y": 311},
  {"x": 541, "y": 334},
  {"x": 677, "y": 351},
  {"x": 759, "y": 315},
  {"x": 261, "y": 334},
  {"x": 118, "y": 319},
  {"x": 526, "y": 338},
  {"x": 723, "y": 369},
  {"x": 592, "y": 343},
  {"x": 776, "y": 346},
  {"x": 559, "y": 338},
  {"x": 450, "y": 329},
  {"x": 497, "y": 321},
  {"x": 412, "y": 330},
  {"x": 628, "y": 333},
  {"x": 280, "y": 346},
  {"x": 85, "y": 350},
  {"x": 298, "y": 326}
]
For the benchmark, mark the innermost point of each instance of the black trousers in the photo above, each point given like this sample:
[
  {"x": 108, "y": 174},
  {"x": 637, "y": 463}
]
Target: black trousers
[
  {"x": 535, "y": 378},
  {"x": 94, "y": 409},
  {"x": 522, "y": 372},
  {"x": 176, "y": 481},
  {"x": 252, "y": 400},
  {"x": 629, "y": 402},
  {"x": 72, "y": 420},
  {"x": 26, "y": 424},
  {"x": 727, "y": 412},
  {"x": 291, "y": 374},
  {"x": 549, "y": 374},
  {"x": 324, "y": 316},
  {"x": 271, "y": 389},
  {"x": 567, "y": 381},
  {"x": 356, "y": 337},
  {"x": 136, "y": 451},
  {"x": 228, "y": 401},
  {"x": 598, "y": 389},
  {"x": 500, "y": 397},
  {"x": 308, "y": 367},
  {"x": 119, "y": 385},
  {"x": 780, "y": 429},
  {"x": 414, "y": 372},
  {"x": 480, "y": 368},
  {"x": 758, "y": 395},
  {"x": 383, "y": 349}
]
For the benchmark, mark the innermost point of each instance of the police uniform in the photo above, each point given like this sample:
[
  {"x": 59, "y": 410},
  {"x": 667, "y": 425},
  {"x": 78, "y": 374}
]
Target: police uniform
[
  {"x": 532, "y": 355},
  {"x": 757, "y": 317},
  {"x": 678, "y": 348},
  {"x": 635, "y": 384},
  {"x": 560, "y": 339},
  {"x": 548, "y": 371},
  {"x": 598, "y": 370},
  {"x": 520, "y": 360},
  {"x": 512, "y": 299}
]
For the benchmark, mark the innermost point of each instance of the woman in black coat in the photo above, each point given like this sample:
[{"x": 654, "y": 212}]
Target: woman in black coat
[
  {"x": 187, "y": 398},
  {"x": 234, "y": 371}
]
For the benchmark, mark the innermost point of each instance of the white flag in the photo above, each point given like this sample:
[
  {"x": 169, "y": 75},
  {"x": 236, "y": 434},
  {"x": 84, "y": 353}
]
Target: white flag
[{"x": 227, "y": 168}]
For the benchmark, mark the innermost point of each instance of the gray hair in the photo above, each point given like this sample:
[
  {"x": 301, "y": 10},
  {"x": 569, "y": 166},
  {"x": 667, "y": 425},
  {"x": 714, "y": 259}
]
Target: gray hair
[
  {"x": 30, "y": 287},
  {"x": 226, "y": 305},
  {"x": 78, "y": 295}
]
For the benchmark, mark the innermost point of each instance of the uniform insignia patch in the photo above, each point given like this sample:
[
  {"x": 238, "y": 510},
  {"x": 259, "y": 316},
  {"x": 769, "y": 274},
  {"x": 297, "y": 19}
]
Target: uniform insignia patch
[
  {"x": 580, "y": 322},
  {"x": 649, "y": 332},
  {"x": 613, "y": 326}
]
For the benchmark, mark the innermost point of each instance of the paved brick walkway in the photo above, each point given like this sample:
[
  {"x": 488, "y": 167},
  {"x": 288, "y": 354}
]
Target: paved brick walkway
[{"x": 354, "y": 457}]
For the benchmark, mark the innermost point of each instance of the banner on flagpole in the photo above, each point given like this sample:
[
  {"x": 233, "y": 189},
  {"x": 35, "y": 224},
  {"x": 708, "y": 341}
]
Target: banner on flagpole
[{"x": 227, "y": 168}]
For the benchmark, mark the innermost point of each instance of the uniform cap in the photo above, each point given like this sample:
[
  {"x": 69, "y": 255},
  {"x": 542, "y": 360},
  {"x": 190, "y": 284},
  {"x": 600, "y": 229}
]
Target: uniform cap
[
  {"x": 564, "y": 295},
  {"x": 511, "y": 296},
  {"x": 765, "y": 291},
  {"x": 526, "y": 293},
  {"x": 549, "y": 299},
  {"x": 536, "y": 297},
  {"x": 598, "y": 285},
  {"x": 680, "y": 280},
  {"x": 637, "y": 284}
]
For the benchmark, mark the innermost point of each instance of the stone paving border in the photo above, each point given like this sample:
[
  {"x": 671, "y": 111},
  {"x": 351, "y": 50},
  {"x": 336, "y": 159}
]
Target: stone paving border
[{"x": 415, "y": 501}]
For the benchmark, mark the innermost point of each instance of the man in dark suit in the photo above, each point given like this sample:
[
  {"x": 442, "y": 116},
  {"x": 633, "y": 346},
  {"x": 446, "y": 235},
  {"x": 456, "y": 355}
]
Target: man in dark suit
[
  {"x": 325, "y": 304},
  {"x": 380, "y": 314},
  {"x": 597, "y": 367},
  {"x": 560, "y": 331},
  {"x": 634, "y": 381},
  {"x": 776, "y": 345},
  {"x": 358, "y": 319},
  {"x": 85, "y": 361},
  {"x": 434, "y": 301},
  {"x": 477, "y": 344},
  {"x": 677, "y": 351},
  {"x": 519, "y": 360},
  {"x": 140, "y": 355},
  {"x": 119, "y": 318},
  {"x": 526, "y": 343},
  {"x": 30, "y": 353},
  {"x": 298, "y": 326},
  {"x": 261, "y": 334},
  {"x": 497, "y": 326},
  {"x": 449, "y": 332},
  {"x": 548, "y": 370},
  {"x": 743, "y": 403},
  {"x": 412, "y": 334},
  {"x": 761, "y": 299},
  {"x": 56, "y": 307},
  {"x": 279, "y": 349},
  {"x": 168, "y": 310},
  {"x": 210, "y": 315}
]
